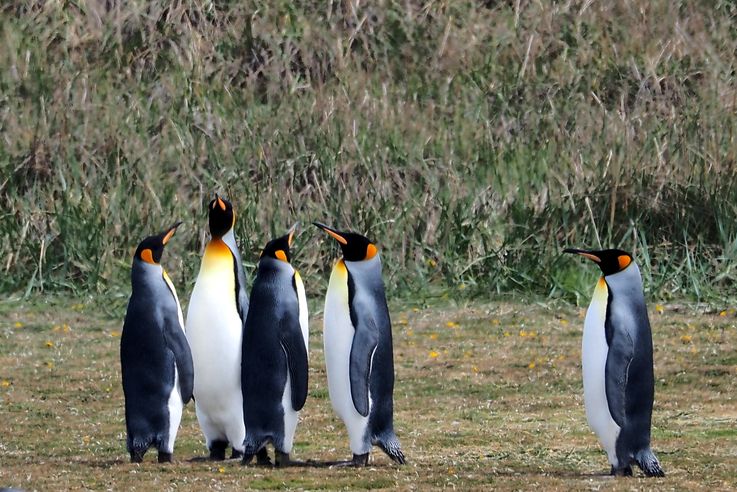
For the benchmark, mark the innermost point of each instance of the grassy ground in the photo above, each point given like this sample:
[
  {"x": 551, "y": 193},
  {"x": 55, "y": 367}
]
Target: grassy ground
[{"x": 486, "y": 395}]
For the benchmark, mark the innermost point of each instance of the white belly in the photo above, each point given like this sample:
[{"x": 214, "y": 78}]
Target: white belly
[
  {"x": 214, "y": 332},
  {"x": 290, "y": 417},
  {"x": 175, "y": 406},
  {"x": 338, "y": 338},
  {"x": 594, "y": 355}
]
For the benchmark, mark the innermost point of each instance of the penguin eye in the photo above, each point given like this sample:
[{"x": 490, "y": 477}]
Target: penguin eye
[{"x": 623, "y": 261}]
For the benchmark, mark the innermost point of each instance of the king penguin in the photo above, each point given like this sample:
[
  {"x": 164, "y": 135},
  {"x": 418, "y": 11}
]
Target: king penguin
[
  {"x": 617, "y": 352},
  {"x": 215, "y": 316},
  {"x": 358, "y": 348},
  {"x": 155, "y": 358},
  {"x": 275, "y": 347}
]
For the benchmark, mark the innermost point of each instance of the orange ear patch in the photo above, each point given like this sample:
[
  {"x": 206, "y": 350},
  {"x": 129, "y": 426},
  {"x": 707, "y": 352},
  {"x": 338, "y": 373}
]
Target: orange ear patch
[
  {"x": 371, "y": 251},
  {"x": 148, "y": 256},
  {"x": 281, "y": 255},
  {"x": 624, "y": 261}
]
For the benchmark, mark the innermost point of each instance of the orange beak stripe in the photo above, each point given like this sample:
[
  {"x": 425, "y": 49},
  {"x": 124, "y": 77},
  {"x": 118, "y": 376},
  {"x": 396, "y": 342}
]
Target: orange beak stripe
[
  {"x": 221, "y": 204},
  {"x": 337, "y": 236},
  {"x": 591, "y": 257}
]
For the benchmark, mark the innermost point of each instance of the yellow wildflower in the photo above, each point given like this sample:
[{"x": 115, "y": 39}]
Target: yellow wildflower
[
  {"x": 18, "y": 324},
  {"x": 723, "y": 314},
  {"x": 686, "y": 339},
  {"x": 451, "y": 324},
  {"x": 433, "y": 336},
  {"x": 433, "y": 354},
  {"x": 49, "y": 344},
  {"x": 221, "y": 470},
  {"x": 659, "y": 308},
  {"x": 4, "y": 383},
  {"x": 114, "y": 333},
  {"x": 531, "y": 365}
]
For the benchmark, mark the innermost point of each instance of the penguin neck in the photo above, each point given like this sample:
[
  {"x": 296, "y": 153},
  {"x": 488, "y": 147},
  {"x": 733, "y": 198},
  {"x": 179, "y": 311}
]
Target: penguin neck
[
  {"x": 268, "y": 264},
  {"x": 143, "y": 275},
  {"x": 366, "y": 272},
  {"x": 628, "y": 281}
]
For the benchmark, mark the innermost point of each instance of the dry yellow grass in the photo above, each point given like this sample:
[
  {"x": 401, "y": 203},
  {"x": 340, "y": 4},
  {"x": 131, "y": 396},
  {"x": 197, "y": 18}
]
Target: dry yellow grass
[{"x": 486, "y": 396}]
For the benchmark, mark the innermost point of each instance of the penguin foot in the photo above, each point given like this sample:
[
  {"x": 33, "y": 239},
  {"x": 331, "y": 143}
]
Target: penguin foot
[
  {"x": 357, "y": 461},
  {"x": 137, "y": 456},
  {"x": 281, "y": 460},
  {"x": 360, "y": 460},
  {"x": 621, "y": 472},
  {"x": 165, "y": 457},
  {"x": 236, "y": 455},
  {"x": 217, "y": 450},
  {"x": 262, "y": 457}
]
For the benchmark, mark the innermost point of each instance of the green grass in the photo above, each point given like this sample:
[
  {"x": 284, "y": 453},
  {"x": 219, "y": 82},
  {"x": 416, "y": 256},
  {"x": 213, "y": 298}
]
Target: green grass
[
  {"x": 476, "y": 415},
  {"x": 471, "y": 140}
]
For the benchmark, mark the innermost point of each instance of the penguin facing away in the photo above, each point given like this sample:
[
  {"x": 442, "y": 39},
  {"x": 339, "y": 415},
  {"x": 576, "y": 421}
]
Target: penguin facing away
[
  {"x": 358, "y": 348},
  {"x": 275, "y": 347},
  {"x": 155, "y": 359},
  {"x": 617, "y": 353},
  {"x": 215, "y": 316}
]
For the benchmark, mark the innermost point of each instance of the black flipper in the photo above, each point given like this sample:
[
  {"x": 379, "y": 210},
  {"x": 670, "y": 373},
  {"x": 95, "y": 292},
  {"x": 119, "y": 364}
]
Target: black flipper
[
  {"x": 365, "y": 340},
  {"x": 176, "y": 341},
  {"x": 241, "y": 296},
  {"x": 293, "y": 343},
  {"x": 619, "y": 357}
]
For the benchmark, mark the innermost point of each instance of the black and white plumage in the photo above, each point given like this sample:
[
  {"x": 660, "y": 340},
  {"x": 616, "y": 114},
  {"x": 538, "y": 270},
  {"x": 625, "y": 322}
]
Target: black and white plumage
[
  {"x": 358, "y": 348},
  {"x": 274, "y": 372},
  {"x": 155, "y": 358},
  {"x": 617, "y": 353},
  {"x": 217, "y": 311}
]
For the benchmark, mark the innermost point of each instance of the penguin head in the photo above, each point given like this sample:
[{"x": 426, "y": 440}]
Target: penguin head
[
  {"x": 610, "y": 261},
  {"x": 222, "y": 216},
  {"x": 279, "y": 248},
  {"x": 151, "y": 248},
  {"x": 355, "y": 246}
]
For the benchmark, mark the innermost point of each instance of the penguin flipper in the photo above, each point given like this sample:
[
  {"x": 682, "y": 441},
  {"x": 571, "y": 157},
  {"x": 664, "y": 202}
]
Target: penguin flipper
[
  {"x": 364, "y": 345},
  {"x": 619, "y": 357},
  {"x": 241, "y": 296},
  {"x": 176, "y": 341},
  {"x": 290, "y": 338}
]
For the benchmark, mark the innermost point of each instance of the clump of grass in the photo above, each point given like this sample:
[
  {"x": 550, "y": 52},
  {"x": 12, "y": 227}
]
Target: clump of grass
[{"x": 472, "y": 140}]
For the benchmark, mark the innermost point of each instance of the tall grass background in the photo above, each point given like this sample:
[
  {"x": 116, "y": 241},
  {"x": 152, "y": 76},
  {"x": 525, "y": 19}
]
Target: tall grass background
[{"x": 470, "y": 140}]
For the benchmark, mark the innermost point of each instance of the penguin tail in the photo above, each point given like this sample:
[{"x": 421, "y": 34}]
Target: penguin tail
[
  {"x": 648, "y": 462},
  {"x": 389, "y": 443}
]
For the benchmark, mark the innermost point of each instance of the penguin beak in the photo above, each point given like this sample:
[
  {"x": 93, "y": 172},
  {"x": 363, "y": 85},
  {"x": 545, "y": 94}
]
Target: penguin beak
[
  {"x": 290, "y": 233},
  {"x": 583, "y": 253},
  {"x": 336, "y": 235},
  {"x": 220, "y": 202},
  {"x": 170, "y": 232}
]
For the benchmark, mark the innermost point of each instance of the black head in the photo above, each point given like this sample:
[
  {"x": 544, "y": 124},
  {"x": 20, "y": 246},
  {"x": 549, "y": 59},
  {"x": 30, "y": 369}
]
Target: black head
[
  {"x": 609, "y": 260},
  {"x": 222, "y": 216},
  {"x": 279, "y": 248},
  {"x": 151, "y": 248},
  {"x": 355, "y": 246}
]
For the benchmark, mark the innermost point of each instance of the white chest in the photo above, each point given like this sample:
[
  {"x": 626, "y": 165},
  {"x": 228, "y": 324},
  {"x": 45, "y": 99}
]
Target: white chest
[{"x": 594, "y": 355}]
